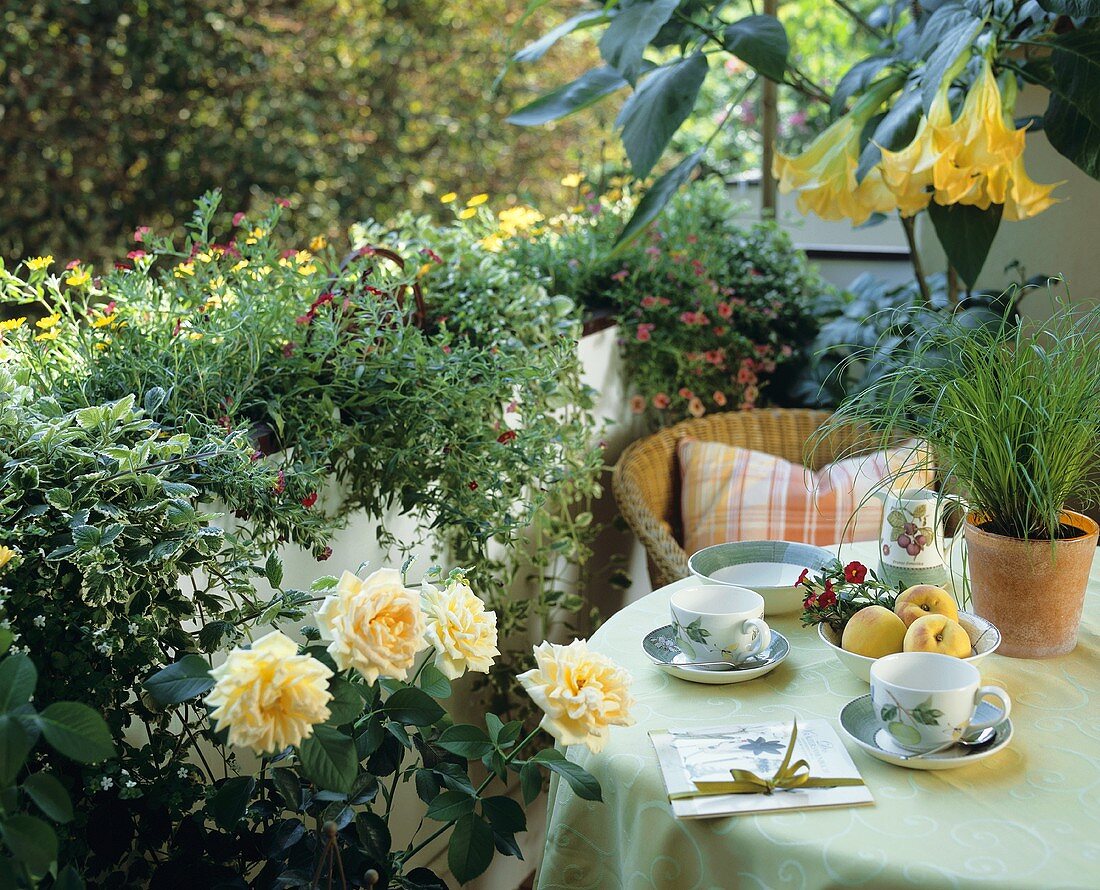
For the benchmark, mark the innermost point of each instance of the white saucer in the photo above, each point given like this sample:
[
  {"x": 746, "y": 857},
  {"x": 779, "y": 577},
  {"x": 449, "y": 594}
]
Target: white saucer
[
  {"x": 857, "y": 719},
  {"x": 660, "y": 645}
]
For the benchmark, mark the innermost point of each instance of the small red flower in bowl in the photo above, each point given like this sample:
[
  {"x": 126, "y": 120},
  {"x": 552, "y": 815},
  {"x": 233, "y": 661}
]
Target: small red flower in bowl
[
  {"x": 855, "y": 573},
  {"x": 802, "y": 578},
  {"x": 826, "y": 599}
]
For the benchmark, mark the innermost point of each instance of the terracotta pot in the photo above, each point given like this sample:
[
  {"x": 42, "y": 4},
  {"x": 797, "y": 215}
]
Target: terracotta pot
[{"x": 1032, "y": 591}]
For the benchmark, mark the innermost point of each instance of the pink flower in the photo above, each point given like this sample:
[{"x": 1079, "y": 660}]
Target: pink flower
[
  {"x": 769, "y": 366},
  {"x": 688, "y": 317},
  {"x": 745, "y": 376},
  {"x": 136, "y": 254},
  {"x": 798, "y": 119},
  {"x": 637, "y": 404},
  {"x": 686, "y": 393},
  {"x": 661, "y": 401},
  {"x": 715, "y": 356},
  {"x": 719, "y": 398},
  {"x": 288, "y": 350},
  {"x": 140, "y": 232},
  {"x": 506, "y": 437},
  {"x": 786, "y": 351},
  {"x": 692, "y": 239},
  {"x": 653, "y": 251},
  {"x": 280, "y": 482},
  {"x": 72, "y": 264},
  {"x": 282, "y": 202},
  {"x": 649, "y": 302},
  {"x": 696, "y": 408},
  {"x": 644, "y": 331},
  {"x": 802, "y": 578},
  {"x": 725, "y": 310},
  {"x": 238, "y": 217},
  {"x": 720, "y": 331},
  {"x": 621, "y": 275}
]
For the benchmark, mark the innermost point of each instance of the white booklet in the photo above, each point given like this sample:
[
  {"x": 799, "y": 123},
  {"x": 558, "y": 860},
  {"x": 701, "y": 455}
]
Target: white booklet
[{"x": 688, "y": 756}]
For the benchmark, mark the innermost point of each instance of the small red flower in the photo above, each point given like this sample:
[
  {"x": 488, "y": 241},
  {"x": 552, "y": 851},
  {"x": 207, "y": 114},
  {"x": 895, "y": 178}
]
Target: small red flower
[
  {"x": 282, "y": 202},
  {"x": 309, "y": 500},
  {"x": 826, "y": 599},
  {"x": 802, "y": 578},
  {"x": 72, "y": 264},
  {"x": 686, "y": 393},
  {"x": 719, "y": 398},
  {"x": 306, "y": 319},
  {"x": 288, "y": 350},
  {"x": 688, "y": 317},
  {"x": 621, "y": 275},
  {"x": 473, "y": 486},
  {"x": 136, "y": 254},
  {"x": 725, "y": 310},
  {"x": 325, "y": 554},
  {"x": 645, "y": 331},
  {"x": 140, "y": 233},
  {"x": 661, "y": 401},
  {"x": 225, "y": 423},
  {"x": 649, "y": 302},
  {"x": 431, "y": 254},
  {"x": 809, "y": 602},
  {"x": 506, "y": 437},
  {"x": 855, "y": 572},
  {"x": 238, "y": 217},
  {"x": 256, "y": 455},
  {"x": 637, "y": 404}
]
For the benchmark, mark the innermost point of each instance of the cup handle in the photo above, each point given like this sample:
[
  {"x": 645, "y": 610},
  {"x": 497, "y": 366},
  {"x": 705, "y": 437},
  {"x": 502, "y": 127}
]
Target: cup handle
[
  {"x": 992, "y": 692},
  {"x": 763, "y": 637}
]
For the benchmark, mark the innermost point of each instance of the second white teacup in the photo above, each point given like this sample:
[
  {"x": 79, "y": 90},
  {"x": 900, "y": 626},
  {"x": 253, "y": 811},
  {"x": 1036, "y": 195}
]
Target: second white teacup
[
  {"x": 926, "y": 700},
  {"x": 719, "y": 622}
]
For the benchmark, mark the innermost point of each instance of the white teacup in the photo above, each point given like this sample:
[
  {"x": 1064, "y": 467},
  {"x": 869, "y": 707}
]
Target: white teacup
[
  {"x": 926, "y": 700},
  {"x": 719, "y": 622}
]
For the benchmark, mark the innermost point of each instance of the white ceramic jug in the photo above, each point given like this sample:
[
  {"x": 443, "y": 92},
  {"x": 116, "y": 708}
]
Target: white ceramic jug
[{"x": 911, "y": 541}]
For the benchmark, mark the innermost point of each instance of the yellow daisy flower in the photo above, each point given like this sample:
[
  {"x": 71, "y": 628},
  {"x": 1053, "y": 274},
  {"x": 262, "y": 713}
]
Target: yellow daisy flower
[
  {"x": 12, "y": 323},
  {"x": 48, "y": 322},
  {"x": 39, "y": 262},
  {"x": 477, "y": 200},
  {"x": 467, "y": 213},
  {"x": 79, "y": 277},
  {"x": 448, "y": 198}
]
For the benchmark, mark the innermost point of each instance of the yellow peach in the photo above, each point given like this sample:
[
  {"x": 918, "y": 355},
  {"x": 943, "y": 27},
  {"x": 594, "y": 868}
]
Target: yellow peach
[
  {"x": 937, "y": 633},
  {"x": 874, "y": 632},
  {"x": 925, "y": 599}
]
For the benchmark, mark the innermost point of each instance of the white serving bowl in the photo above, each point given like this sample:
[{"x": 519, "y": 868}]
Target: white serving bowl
[
  {"x": 771, "y": 568},
  {"x": 984, "y": 638}
]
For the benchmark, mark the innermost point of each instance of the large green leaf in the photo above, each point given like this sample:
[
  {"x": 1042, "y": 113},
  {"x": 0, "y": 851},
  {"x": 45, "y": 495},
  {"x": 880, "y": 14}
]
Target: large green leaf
[
  {"x": 50, "y": 796},
  {"x": 635, "y": 24},
  {"x": 76, "y": 731},
  {"x": 658, "y": 195},
  {"x": 450, "y": 805},
  {"x": 761, "y": 42},
  {"x": 1075, "y": 8},
  {"x": 178, "y": 682},
  {"x": 466, "y": 741},
  {"x": 856, "y": 80},
  {"x": 231, "y": 800},
  {"x": 504, "y": 814},
  {"x": 15, "y": 744},
  {"x": 950, "y": 32},
  {"x": 536, "y": 50},
  {"x": 655, "y": 111},
  {"x": 346, "y": 703},
  {"x": 1072, "y": 119},
  {"x": 18, "y": 678},
  {"x": 892, "y": 131},
  {"x": 329, "y": 759},
  {"x": 583, "y": 783},
  {"x": 966, "y": 233},
  {"x": 31, "y": 841},
  {"x": 586, "y": 90},
  {"x": 412, "y": 706},
  {"x": 471, "y": 848}
]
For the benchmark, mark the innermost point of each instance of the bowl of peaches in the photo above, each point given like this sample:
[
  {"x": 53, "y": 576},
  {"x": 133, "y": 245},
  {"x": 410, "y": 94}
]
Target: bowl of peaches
[{"x": 860, "y": 618}]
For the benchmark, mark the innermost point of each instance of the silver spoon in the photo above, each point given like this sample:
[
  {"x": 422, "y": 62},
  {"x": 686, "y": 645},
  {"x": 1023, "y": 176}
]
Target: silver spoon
[
  {"x": 751, "y": 661},
  {"x": 975, "y": 741}
]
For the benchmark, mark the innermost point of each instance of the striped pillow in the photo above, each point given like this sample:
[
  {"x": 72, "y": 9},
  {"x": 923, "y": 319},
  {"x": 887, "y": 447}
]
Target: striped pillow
[{"x": 735, "y": 494}]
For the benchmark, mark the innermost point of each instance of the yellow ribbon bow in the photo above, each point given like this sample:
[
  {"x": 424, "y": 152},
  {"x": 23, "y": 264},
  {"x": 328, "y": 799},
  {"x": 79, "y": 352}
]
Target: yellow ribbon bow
[{"x": 788, "y": 777}]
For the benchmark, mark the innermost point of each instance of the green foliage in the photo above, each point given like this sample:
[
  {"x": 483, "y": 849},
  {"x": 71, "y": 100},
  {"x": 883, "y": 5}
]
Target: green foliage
[
  {"x": 1011, "y": 413},
  {"x": 122, "y": 114}
]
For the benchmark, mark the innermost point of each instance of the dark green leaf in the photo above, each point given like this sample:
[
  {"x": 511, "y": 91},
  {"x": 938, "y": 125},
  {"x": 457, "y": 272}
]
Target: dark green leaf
[
  {"x": 449, "y": 805},
  {"x": 504, "y": 814},
  {"x": 68, "y": 879},
  {"x": 31, "y": 841},
  {"x": 471, "y": 848},
  {"x": 894, "y": 131},
  {"x": 50, "y": 796},
  {"x": 346, "y": 703},
  {"x": 586, "y": 90},
  {"x": 856, "y": 80},
  {"x": 412, "y": 706},
  {"x": 957, "y": 28},
  {"x": 536, "y": 50},
  {"x": 966, "y": 234},
  {"x": 231, "y": 800},
  {"x": 273, "y": 569},
  {"x": 387, "y": 759},
  {"x": 509, "y": 734},
  {"x": 759, "y": 41},
  {"x": 368, "y": 741},
  {"x": 76, "y": 731},
  {"x": 1074, "y": 8},
  {"x": 15, "y": 744},
  {"x": 530, "y": 782},
  {"x": 582, "y": 782},
  {"x": 329, "y": 759},
  {"x": 659, "y": 194},
  {"x": 434, "y": 683},
  {"x": 424, "y": 879},
  {"x": 494, "y": 725},
  {"x": 624, "y": 42},
  {"x": 427, "y": 785},
  {"x": 185, "y": 679},
  {"x": 1072, "y": 119},
  {"x": 655, "y": 111},
  {"x": 290, "y": 787},
  {"x": 6, "y": 639},
  {"x": 18, "y": 678},
  {"x": 455, "y": 777},
  {"x": 374, "y": 835},
  {"x": 466, "y": 741}
]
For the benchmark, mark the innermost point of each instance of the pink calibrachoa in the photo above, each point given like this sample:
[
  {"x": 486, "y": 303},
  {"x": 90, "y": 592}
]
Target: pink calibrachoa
[
  {"x": 661, "y": 401},
  {"x": 645, "y": 330}
]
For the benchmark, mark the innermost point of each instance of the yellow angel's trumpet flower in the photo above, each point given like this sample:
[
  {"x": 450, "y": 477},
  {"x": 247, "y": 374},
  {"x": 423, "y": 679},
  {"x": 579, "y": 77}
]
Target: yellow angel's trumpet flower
[{"x": 911, "y": 172}]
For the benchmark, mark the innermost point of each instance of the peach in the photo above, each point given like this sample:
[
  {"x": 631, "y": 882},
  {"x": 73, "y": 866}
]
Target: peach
[
  {"x": 937, "y": 633},
  {"x": 925, "y": 599},
  {"x": 874, "y": 632}
]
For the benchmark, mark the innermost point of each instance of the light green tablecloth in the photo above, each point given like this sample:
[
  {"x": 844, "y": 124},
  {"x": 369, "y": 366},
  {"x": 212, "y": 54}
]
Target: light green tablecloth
[{"x": 1028, "y": 817}]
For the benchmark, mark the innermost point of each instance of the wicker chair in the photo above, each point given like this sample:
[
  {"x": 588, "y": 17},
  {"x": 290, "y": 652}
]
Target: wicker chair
[{"x": 646, "y": 479}]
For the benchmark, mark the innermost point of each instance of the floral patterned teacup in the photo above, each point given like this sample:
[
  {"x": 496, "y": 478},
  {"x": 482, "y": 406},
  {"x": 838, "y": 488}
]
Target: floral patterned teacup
[
  {"x": 719, "y": 622},
  {"x": 926, "y": 700}
]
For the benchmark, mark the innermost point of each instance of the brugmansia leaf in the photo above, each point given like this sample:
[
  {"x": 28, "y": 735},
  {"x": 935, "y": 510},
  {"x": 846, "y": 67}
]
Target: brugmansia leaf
[
  {"x": 951, "y": 30},
  {"x": 659, "y": 194},
  {"x": 31, "y": 841},
  {"x": 761, "y": 42},
  {"x": 536, "y": 50},
  {"x": 586, "y": 90},
  {"x": 966, "y": 233},
  {"x": 1072, "y": 119},
  {"x": 178, "y": 682},
  {"x": 655, "y": 111},
  {"x": 624, "y": 42},
  {"x": 15, "y": 744}
]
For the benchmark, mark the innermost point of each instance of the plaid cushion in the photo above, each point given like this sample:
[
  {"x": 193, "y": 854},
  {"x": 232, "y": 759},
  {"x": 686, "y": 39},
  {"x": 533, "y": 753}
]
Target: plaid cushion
[{"x": 735, "y": 494}]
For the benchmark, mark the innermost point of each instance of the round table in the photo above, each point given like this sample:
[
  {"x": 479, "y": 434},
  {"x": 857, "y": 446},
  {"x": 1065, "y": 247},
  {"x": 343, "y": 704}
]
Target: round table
[{"x": 1027, "y": 817}]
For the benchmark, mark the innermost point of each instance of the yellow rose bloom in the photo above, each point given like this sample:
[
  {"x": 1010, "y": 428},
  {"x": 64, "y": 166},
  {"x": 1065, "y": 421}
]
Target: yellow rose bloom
[
  {"x": 477, "y": 200},
  {"x": 7, "y": 555},
  {"x": 572, "y": 181},
  {"x": 269, "y": 696},
  {"x": 824, "y": 176},
  {"x": 79, "y": 277},
  {"x": 12, "y": 323},
  {"x": 459, "y": 628},
  {"x": 375, "y": 626},
  {"x": 581, "y": 693},
  {"x": 39, "y": 262},
  {"x": 448, "y": 198}
]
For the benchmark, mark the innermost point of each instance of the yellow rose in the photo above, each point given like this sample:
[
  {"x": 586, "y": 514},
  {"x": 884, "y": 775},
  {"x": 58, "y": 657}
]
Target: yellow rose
[
  {"x": 269, "y": 696},
  {"x": 7, "y": 555},
  {"x": 581, "y": 693},
  {"x": 375, "y": 626},
  {"x": 459, "y": 628}
]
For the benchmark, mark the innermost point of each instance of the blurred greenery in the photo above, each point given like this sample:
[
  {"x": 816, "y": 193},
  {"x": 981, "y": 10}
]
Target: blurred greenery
[{"x": 117, "y": 114}]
